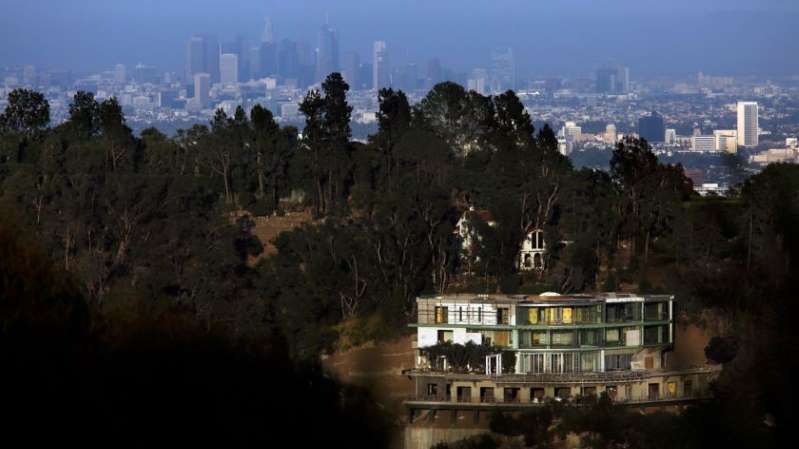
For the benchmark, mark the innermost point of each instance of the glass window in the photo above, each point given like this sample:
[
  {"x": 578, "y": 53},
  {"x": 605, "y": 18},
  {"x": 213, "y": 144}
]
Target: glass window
[
  {"x": 563, "y": 338},
  {"x": 618, "y": 362},
  {"x": 569, "y": 365},
  {"x": 442, "y": 315},
  {"x": 445, "y": 336},
  {"x": 567, "y": 315},
  {"x": 503, "y": 338},
  {"x": 589, "y": 361},
  {"x": 623, "y": 312},
  {"x": 656, "y": 311},
  {"x": 503, "y": 315},
  {"x": 556, "y": 363},
  {"x": 656, "y": 335},
  {"x": 529, "y": 339},
  {"x": 532, "y": 315},
  {"x": 591, "y": 337}
]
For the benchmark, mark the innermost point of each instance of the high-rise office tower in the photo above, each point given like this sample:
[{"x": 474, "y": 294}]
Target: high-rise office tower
[
  {"x": 748, "y": 124},
  {"x": 406, "y": 77},
  {"x": 671, "y": 136},
  {"x": 120, "y": 74},
  {"x": 288, "y": 62},
  {"x": 269, "y": 31},
  {"x": 143, "y": 73},
  {"x": 380, "y": 66},
  {"x": 351, "y": 70},
  {"x": 239, "y": 48},
  {"x": 195, "y": 57},
  {"x": 478, "y": 81},
  {"x": 605, "y": 81},
  {"x": 652, "y": 128},
  {"x": 434, "y": 72},
  {"x": 202, "y": 89},
  {"x": 229, "y": 68},
  {"x": 503, "y": 70},
  {"x": 327, "y": 53},
  {"x": 267, "y": 60},
  {"x": 611, "y": 136},
  {"x": 212, "y": 58},
  {"x": 622, "y": 79},
  {"x": 613, "y": 80},
  {"x": 202, "y": 56}
]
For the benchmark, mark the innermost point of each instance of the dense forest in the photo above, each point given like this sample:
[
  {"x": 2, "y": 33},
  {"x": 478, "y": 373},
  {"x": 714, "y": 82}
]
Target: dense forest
[{"x": 131, "y": 273}]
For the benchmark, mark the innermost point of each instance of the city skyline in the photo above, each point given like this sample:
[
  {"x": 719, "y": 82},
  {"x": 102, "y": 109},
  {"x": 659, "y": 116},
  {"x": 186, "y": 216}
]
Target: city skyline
[{"x": 670, "y": 45}]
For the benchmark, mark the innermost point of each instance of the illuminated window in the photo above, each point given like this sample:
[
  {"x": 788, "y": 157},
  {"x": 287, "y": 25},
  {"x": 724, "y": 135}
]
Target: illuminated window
[{"x": 442, "y": 313}]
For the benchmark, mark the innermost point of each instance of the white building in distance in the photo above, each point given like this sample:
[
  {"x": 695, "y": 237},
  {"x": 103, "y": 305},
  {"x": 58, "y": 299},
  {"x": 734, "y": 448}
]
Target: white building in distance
[
  {"x": 726, "y": 140},
  {"x": 748, "y": 124},
  {"x": 229, "y": 68}
]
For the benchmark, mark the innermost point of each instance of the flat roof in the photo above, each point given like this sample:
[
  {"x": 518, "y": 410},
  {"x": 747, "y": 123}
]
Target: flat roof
[{"x": 547, "y": 298}]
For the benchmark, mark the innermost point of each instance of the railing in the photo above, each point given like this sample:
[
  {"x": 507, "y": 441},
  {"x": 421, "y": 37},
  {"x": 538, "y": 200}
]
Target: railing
[
  {"x": 576, "y": 377},
  {"x": 580, "y": 400}
]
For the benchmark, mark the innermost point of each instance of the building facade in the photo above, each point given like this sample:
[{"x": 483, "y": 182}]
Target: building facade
[
  {"x": 229, "y": 68},
  {"x": 531, "y": 256},
  {"x": 380, "y": 73},
  {"x": 748, "y": 124},
  {"x": 551, "y": 347},
  {"x": 652, "y": 128}
]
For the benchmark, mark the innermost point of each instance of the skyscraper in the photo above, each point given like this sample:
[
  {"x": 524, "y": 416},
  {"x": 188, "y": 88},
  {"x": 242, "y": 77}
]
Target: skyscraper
[
  {"x": 611, "y": 135},
  {"x": 652, "y": 128},
  {"x": 671, "y": 136},
  {"x": 269, "y": 31},
  {"x": 202, "y": 56},
  {"x": 239, "y": 48},
  {"x": 503, "y": 70},
  {"x": 748, "y": 124},
  {"x": 202, "y": 88},
  {"x": 434, "y": 72},
  {"x": 288, "y": 62},
  {"x": 267, "y": 60},
  {"x": 613, "y": 80},
  {"x": 623, "y": 79},
  {"x": 143, "y": 73},
  {"x": 351, "y": 70},
  {"x": 478, "y": 81},
  {"x": 120, "y": 74},
  {"x": 229, "y": 68},
  {"x": 212, "y": 58},
  {"x": 326, "y": 53},
  {"x": 380, "y": 67},
  {"x": 195, "y": 57}
]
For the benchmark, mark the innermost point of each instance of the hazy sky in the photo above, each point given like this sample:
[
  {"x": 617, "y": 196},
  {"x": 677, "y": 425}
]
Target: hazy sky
[{"x": 549, "y": 37}]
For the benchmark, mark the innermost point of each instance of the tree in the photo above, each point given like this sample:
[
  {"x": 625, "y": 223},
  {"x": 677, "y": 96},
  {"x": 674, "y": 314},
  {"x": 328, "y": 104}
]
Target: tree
[
  {"x": 27, "y": 113},
  {"x": 274, "y": 148},
  {"x": 394, "y": 120},
  {"x": 311, "y": 164},
  {"x": 84, "y": 115},
  {"x": 651, "y": 193},
  {"x": 117, "y": 136},
  {"x": 462, "y": 119},
  {"x": 220, "y": 151},
  {"x": 326, "y": 156},
  {"x": 336, "y": 124}
]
